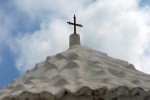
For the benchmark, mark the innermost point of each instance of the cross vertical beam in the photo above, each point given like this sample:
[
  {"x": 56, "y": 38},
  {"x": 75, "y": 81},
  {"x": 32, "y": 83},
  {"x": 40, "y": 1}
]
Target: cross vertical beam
[{"x": 74, "y": 24}]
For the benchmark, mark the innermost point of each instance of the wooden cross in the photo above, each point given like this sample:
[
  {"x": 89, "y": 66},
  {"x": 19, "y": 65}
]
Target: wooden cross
[{"x": 70, "y": 23}]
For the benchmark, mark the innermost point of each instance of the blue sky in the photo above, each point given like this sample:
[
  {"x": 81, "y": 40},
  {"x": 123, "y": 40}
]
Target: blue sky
[{"x": 31, "y": 30}]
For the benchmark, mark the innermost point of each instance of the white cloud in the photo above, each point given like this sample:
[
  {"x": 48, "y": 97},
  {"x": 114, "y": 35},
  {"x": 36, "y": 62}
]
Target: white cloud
[
  {"x": 42, "y": 8},
  {"x": 35, "y": 47},
  {"x": 5, "y": 26},
  {"x": 119, "y": 28}
]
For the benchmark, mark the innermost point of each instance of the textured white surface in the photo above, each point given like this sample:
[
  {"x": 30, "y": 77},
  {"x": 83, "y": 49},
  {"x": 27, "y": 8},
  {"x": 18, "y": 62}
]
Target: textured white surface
[{"x": 77, "y": 67}]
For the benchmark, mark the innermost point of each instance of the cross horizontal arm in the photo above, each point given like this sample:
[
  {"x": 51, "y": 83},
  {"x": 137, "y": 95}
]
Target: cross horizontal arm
[
  {"x": 70, "y": 23},
  {"x": 74, "y": 24},
  {"x": 79, "y": 25}
]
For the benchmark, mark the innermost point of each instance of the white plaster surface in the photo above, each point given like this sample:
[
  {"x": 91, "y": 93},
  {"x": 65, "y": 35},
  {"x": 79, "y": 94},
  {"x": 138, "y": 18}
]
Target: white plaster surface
[{"x": 75, "y": 68}]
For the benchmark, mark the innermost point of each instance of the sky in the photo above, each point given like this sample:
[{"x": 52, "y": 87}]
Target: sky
[{"x": 31, "y": 30}]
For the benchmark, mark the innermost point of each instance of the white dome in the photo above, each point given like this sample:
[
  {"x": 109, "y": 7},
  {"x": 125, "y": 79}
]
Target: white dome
[{"x": 75, "y": 68}]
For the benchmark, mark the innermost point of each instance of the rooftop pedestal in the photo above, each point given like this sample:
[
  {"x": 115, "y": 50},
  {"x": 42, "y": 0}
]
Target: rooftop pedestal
[{"x": 74, "y": 40}]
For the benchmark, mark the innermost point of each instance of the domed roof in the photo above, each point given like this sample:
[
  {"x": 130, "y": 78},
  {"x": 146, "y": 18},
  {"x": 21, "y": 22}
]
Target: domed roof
[{"x": 75, "y": 68}]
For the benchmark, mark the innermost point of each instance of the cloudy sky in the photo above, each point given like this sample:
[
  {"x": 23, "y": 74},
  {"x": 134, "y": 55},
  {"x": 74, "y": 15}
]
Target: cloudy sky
[{"x": 31, "y": 30}]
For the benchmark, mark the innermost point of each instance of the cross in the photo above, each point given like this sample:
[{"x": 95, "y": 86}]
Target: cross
[{"x": 70, "y": 23}]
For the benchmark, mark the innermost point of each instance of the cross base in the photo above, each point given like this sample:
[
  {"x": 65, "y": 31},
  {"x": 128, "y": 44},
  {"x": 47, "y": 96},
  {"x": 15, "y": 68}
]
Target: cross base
[{"x": 74, "y": 40}]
